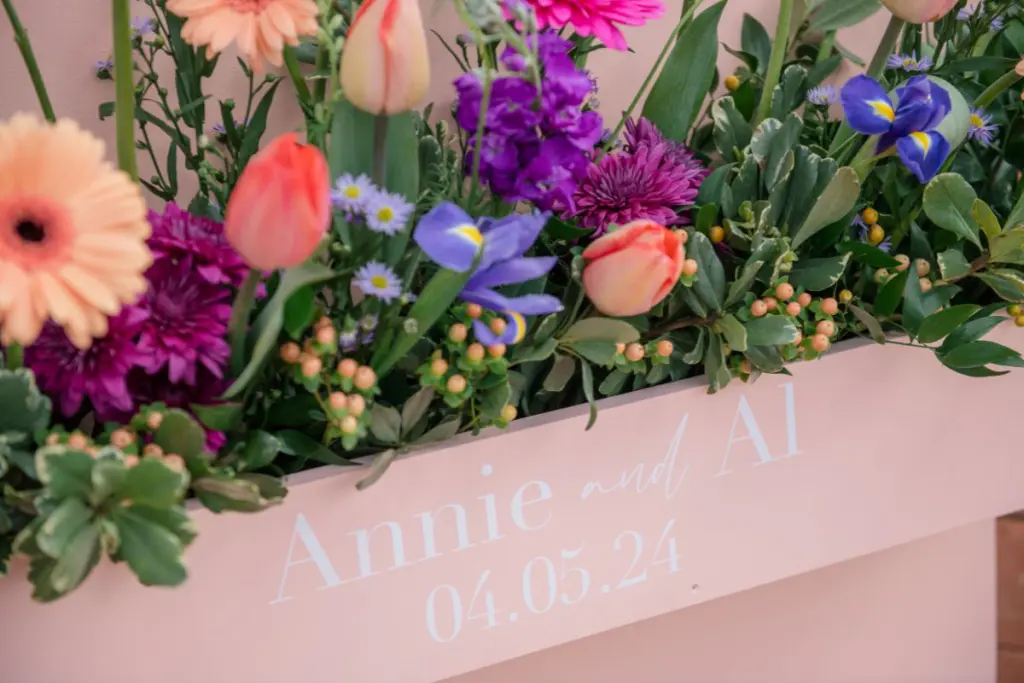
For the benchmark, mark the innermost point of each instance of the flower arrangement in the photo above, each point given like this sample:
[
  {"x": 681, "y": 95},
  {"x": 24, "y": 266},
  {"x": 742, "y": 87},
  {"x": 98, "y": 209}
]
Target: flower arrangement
[{"x": 381, "y": 281}]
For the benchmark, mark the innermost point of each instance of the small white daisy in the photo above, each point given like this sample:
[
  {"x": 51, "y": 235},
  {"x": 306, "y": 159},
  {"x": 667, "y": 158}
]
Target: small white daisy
[
  {"x": 387, "y": 212},
  {"x": 350, "y": 194},
  {"x": 376, "y": 279}
]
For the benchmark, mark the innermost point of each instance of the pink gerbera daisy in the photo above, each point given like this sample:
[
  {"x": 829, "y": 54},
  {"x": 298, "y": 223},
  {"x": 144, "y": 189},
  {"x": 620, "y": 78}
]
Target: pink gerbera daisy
[{"x": 597, "y": 18}]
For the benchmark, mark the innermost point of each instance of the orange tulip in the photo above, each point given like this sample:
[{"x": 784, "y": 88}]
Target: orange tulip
[
  {"x": 384, "y": 64},
  {"x": 919, "y": 11},
  {"x": 280, "y": 208},
  {"x": 630, "y": 270}
]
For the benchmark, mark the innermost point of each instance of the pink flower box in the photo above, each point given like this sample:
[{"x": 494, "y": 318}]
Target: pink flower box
[{"x": 487, "y": 549}]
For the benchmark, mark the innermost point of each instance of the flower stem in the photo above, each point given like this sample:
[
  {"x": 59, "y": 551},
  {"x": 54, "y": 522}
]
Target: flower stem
[
  {"x": 239, "y": 323},
  {"x": 778, "y": 56},
  {"x": 828, "y": 44},
  {"x": 29, "y": 57},
  {"x": 993, "y": 91},
  {"x": 124, "y": 86},
  {"x": 380, "y": 149},
  {"x": 886, "y": 47},
  {"x": 15, "y": 356}
]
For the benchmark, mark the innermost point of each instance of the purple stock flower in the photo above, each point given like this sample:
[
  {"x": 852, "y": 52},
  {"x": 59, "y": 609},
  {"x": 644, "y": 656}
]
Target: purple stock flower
[
  {"x": 535, "y": 141},
  {"x": 648, "y": 179},
  {"x": 200, "y": 242},
  {"x": 187, "y": 325},
  {"x": 99, "y": 373}
]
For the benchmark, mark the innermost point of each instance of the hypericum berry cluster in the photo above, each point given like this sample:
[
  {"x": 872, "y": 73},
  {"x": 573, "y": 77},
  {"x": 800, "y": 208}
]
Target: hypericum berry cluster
[
  {"x": 344, "y": 388},
  {"x": 462, "y": 371},
  {"x": 923, "y": 268},
  {"x": 636, "y": 356}
]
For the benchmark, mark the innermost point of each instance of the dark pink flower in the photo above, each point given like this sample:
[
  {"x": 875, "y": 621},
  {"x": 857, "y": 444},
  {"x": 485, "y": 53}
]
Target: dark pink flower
[{"x": 181, "y": 236}]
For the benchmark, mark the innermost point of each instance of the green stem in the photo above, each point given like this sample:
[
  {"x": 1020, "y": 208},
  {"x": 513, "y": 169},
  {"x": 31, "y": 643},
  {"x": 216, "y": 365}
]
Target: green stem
[
  {"x": 291, "y": 62},
  {"x": 885, "y": 48},
  {"x": 690, "y": 6},
  {"x": 1002, "y": 84},
  {"x": 15, "y": 356},
  {"x": 380, "y": 151},
  {"x": 828, "y": 44},
  {"x": 775, "y": 61},
  {"x": 239, "y": 323},
  {"x": 29, "y": 57},
  {"x": 124, "y": 84}
]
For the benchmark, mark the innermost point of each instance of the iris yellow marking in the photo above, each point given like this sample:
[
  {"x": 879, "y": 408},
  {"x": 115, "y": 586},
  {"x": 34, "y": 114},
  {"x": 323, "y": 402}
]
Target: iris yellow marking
[
  {"x": 883, "y": 109},
  {"x": 520, "y": 322},
  {"x": 923, "y": 141},
  {"x": 469, "y": 232}
]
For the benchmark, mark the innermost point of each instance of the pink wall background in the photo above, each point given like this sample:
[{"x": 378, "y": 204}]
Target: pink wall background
[{"x": 70, "y": 35}]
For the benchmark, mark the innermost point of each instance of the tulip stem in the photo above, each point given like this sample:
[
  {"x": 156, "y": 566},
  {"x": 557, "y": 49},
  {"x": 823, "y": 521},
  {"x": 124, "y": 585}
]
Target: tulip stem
[
  {"x": 124, "y": 87},
  {"x": 380, "y": 151},
  {"x": 239, "y": 323},
  {"x": 29, "y": 57},
  {"x": 778, "y": 55},
  {"x": 886, "y": 47},
  {"x": 15, "y": 353},
  {"x": 993, "y": 91}
]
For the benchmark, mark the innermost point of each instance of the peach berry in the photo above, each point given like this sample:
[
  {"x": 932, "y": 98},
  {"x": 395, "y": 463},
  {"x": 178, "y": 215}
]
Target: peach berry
[
  {"x": 290, "y": 352},
  {"x": 634, "y": 352},
  {"x": 784, "y": 291},
  {"x": 759, "y": 308},
  {"x": 829, "y": 306}
]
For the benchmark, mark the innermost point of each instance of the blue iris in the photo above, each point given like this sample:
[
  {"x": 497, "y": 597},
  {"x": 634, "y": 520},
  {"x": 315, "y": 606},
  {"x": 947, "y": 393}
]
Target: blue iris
[
  {"x": 909, "y": 126},
  {"x": 453, "y": 240}
]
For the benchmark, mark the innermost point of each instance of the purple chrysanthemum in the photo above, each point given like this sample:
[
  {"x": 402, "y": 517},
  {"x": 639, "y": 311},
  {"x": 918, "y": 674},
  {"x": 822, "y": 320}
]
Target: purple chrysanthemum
[
  {"x": 535, "y": 143},
  {"x": 70, "y": 375},
  {"x": 187, "y": 324},
  {"x": 200, "y": 242},
  {"x": 650, "y": 178}
]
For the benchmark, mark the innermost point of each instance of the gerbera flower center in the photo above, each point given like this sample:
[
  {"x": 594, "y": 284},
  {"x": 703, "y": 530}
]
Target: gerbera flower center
[
  {"x": 252, "y": 6},
  {"x": 34, "y": 232},
  {"x": 30, "y": 231}
]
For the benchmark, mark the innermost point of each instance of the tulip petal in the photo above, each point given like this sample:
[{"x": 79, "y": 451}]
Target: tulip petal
[
  {"x": 923, "y": 153},
  {"x": 867, "y": 106},
  {"x": 625, "y": 283},
  {"x": 449, "y": 237},
  {"x": 619, "y": 239}
]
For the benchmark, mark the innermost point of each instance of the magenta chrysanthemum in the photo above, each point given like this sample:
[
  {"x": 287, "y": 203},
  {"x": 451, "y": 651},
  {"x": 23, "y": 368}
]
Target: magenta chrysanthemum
[
  {"x": 187, "y": 324},
  {"x": 597, "y": 18},
  {"x": 649, "y": 178},
  {"x": 99, "y": 373},
  {"x": 200, "y": 242}
]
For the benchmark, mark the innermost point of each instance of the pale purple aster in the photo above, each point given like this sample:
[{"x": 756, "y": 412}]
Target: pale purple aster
[
  {"x": 70, "y": 376},
  {"x": 967, "y": 12},
  {"x": 369, "y": 322},
  {"x": 909, "y": 63},
  {"x": 376, "y": 279},
  {"x": 387, "y": 212},
  {"x": 996, "y": 25},
  {"x": 823, "y": 95},
  {"x": 351, "y": 193},
  {"x": 142, "y": 26},
  {"x": 982, "y": 128},
  {"x": 221, "y": 132},
  {"x": 200, "y": 242},
  {"x": 348, "y": 340},
  {"x": 650, "y": 178},
  {"x": 104, "y": 66},
  {"x": 187, "y": 324}
]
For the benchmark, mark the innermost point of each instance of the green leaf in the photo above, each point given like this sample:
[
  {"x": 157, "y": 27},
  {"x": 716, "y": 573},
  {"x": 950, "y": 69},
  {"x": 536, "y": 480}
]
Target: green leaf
[
  {"x": 62, "y": 525},
  {"x": 868, "y": 254},
  {"x": 1007, "y": 247},
  {"x": 220, "y": 493},
  {"x": 267, "y": 329},
  {"x": 831, "y": 15},
  {"x": 597, "y": 351},
  {"x": 179, "y": 433},
  {"x": 299, "y": 312},
  {"x": 381, "y": 463},
  {"x": 732, "y": 132},
  {"x": 23, "y": 408},
  {"x": 297, "y": 444},
  {"x": 108, "y": 475},
  {"x": 706, "y": 217},
  {"x": 710, "y": 284},
  {"x": 385, "y": 424},
  {"x": 869, "y": 321},
  {"x": 222, "y": 417},
  {"x": 765, "y": 358},
  {"x": 402, "y": 172},
  {"x": 433, "y": 302},
  {"x": 442, "y": 432},
  {"x": 914, "y": 307},
  {"x": 771, "y": 330},
  {"x": 415, "y": 407},
  {"x": 986, "y": 219},
  {"x": 152, "y": 551},
  {"x": 154, "y": 484},
  {"x": 614, "y": 382},
  {"x": 1008, "y": 284},
  {"x": 890, "y": 294},
  {"x": 561, "y": 372},
  {"x": 494, "y": 400},
  {"x": 978, "y": 353},
  {"x": 952, "y": 264},
  {"x": 739, "y": 288},
  {"x": 272, "y": 490},
  {"x": 65, "y": 473},
  {"x": 696, "y": 353},
  {"x": 678, "y": 94},
  {"x": 949, "y": 203},
  {"x": 605, "y": 329},
  {"x": 260, "y": 450},
  {"x": 970, "y": 331},
  {"x": 734, "y": 332},
  {"x": 537, "y": 352},
  {"x": 351, "y": 143},
  {"x": 817, "y": 274},
  {"x": 256, "y": 126},
  {"x": 838, "y": 200},
  {"x": 588, "y": 392},
  {"x": 715, "y": 365},
  {"x": 79, "y": 556},
  {"x": 711, "y": 189},
  {"x": 755, "y": 41},
  {"x": 942, "y": 323},
  {"x": 175, "y": 519}
]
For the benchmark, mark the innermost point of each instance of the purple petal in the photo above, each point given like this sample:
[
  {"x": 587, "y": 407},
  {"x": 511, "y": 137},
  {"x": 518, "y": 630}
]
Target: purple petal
[
  {"x": 512, "y": 272},
  {"x": 867, "y": 106},
  {"x": 449, "y": 237}
]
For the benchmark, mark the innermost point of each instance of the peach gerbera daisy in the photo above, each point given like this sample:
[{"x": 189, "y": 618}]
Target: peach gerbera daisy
[
  {"x": 73, "y": 232},
  {"x": 260, "y": 27}
]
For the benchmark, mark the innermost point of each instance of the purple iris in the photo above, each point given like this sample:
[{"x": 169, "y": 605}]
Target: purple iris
[
  {"x": 453, "y": 240},
  {"x": 910, "y": 125}
]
